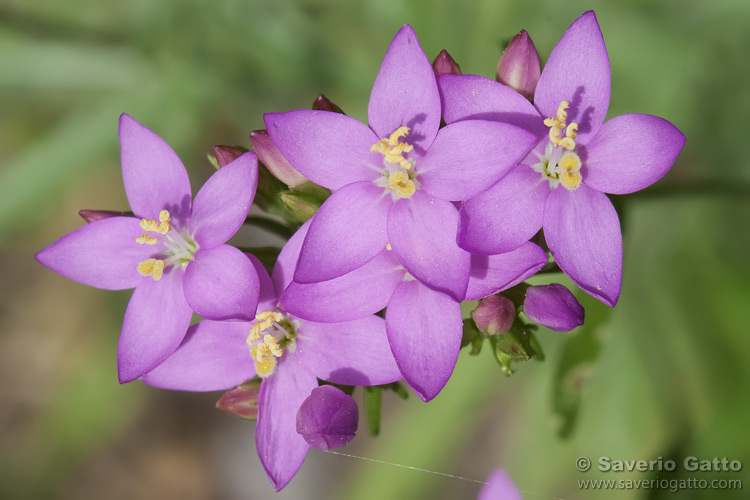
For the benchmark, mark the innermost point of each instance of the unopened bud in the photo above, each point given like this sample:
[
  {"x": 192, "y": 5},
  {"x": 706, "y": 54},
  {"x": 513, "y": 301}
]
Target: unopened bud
[
  {"x": 227, "y": 154},
  {"x": 494, "y": 315},
  {"x": 94, "y": 215},
  {"x": 272, "y": 158},
  {"x": 241, "y": 401},
  {"x": 322, "y": 103},
  {"x": 519, "y": 67},
  {"x": 445, "y": 65},
  {"x": 553, "y": 306},
  {"x": 328, "y": 418},
  {"x": 301, "y": 205}
]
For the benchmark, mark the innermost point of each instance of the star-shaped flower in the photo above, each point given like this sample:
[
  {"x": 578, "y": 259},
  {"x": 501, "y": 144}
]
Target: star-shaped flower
[
  {"x": 172, "y": 251},
  {"x": 561, "y": 184}
]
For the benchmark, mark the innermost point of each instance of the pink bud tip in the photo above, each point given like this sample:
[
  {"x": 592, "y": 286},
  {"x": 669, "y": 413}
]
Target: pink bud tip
[
  {"x": 241, "y": 401},
  {"x": 322, "y": 103},
  {"x": 519, "y": 67},
  {"x": 445, "y": 65},
  {"x": 94, "y": 215},
  {"x": 227, "y": 154},
  {"x": 274, "y": 161},
  {"x": 494, "y": 314}
]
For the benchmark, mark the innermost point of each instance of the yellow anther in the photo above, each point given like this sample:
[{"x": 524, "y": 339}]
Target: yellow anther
[
  {"x": 400, "y": 183},
  {"x": 388, "y": 246},
  {"x": 145, "y": 239},
  {"x": 567, "y": 143},
  {"x": 554, "y": 135},
  {"x": 264, "y": 320},
  {"x": 264, "y": 354},
  {"x": 393, "y": 150},
  {"x": 570, "y": 162},
  {"x": 164, "y": 216},
  {"x": 161, "y": 226},
  {"x": 265, "y": 369},
  {"x": 572, "y": 130},
  {"x": 557, "y": 124},
  {"x": 570, "y": 179},
  {"x": 562, "y": 115},
  {"x": 151, "y": 267},
  {"x": 273, "y": 345}
]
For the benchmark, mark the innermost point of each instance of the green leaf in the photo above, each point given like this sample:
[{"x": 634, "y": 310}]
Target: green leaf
[{"x": 373, "y": 400}]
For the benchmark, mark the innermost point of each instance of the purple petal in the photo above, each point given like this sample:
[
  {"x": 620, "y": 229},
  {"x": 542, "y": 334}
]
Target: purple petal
[
  {"x": 631, "y": 152},
  {"x": 472, "y": 97},
  {"x": 422, "y": 232},
  {"x": 280, "y": 448},
  {"x": 330, "y": 149},
  {"x": 494, "y": 273},
  {"x": 221, "y": 205},
  {"x": 405, "y": 92},
  {"x": 221, "y": 283},
  {"x": 214, "y": 356},
  {"x": 354, "y": 295},
  {"x": 578, "y": 72},
  {"x": 328, "y": 418},
  {"x": 499, "y": 486},
  {"x": 348, "y": 230},
  {"x": 103, "y": 254},
  {"x": 583, "y": 233},
  {"x": 469, "y": 156},
  {"x": 505, "y": 216},
  {"x": 155, "y": 323},
  {"x": 351, "y": 353},
  {"x": 154, "y": 176},
  {"x": 267, "y": 296},
  {"x": 424, "y": 329},
  {"x": 553, "y": 306},
  {"x": 286, "y": 263}
]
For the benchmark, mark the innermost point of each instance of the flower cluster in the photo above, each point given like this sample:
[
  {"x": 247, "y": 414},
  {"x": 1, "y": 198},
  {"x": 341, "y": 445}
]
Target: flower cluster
[{"x": 457, "y": 190}]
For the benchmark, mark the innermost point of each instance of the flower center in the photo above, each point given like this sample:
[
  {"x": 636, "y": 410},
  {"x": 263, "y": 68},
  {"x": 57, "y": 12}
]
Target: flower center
[
  {"x": 179, "y": 247},
  {"x": 398, "y": 176},
  {"x": 560, "y": 164},
  {"x": 264, "y": 350}
]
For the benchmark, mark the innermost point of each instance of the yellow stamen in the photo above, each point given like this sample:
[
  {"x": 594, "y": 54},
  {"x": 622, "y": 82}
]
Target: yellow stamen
[
  {"x": 572, "y": 130},
  {"x": 145, "y": 239},
  {"x": 388, "y": 246},
  {"x": 570, "y": 162},
  {"x": 264, "y": 354},
  {"x": 265, "y": 369},
  {"x": 400, "y": 183},
  {"x": 570, "y": 180},
  {"x": 567, "y": 143},
  {"x": 557, "y": 124},
  {"x": 562, "y": 115},
  {"x": 151, "y": 267},
  {"x": 393, "y": 150},
  {"x": 161, "y": 226}
]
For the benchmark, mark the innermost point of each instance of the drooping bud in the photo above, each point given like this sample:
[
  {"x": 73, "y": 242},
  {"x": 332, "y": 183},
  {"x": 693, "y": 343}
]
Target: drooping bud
[
  {"x": 519, "y": 67},
  {"x": 328, "y": 418},
  {"x": 322, "y": 103},
  {"x": 445, "y": 65},
  {"x": 553, "y": 306},
  {"x": 272, "y": 158},
  {"x": 494, "y": 315},
  {"x": 227, "y": 154},
  {"x": 241, "y": 401},
  {"x": 94, "y": 215}
]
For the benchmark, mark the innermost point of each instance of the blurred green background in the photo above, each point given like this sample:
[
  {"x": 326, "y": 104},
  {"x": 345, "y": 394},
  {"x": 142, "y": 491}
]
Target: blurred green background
[{"x": 664, "y": 374}]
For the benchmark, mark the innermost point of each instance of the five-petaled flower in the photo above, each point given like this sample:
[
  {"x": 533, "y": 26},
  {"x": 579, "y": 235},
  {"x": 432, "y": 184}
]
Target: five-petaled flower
[
  {"x": 561, "y": 184},
  {"x": 172, "y": 251}
]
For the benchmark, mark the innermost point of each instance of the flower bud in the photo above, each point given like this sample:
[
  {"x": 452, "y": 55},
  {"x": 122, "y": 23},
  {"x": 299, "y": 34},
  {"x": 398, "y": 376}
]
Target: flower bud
[
  {"x": 553, "y": 306},
  {"x": 241, "y": 401},
  {"x": 94, "y": 215},
  {"x": 227, "y": 154},
  {"x": 494, "y": 314},
  {"x": 322, "y": 103},
  {"x": 328, "y": 418},
  {"x": 445, "y": 65},
  {"x": 519, "y": 67},
  {"x": 271, "y": 157},
  {"x": 301, "y": 205}
]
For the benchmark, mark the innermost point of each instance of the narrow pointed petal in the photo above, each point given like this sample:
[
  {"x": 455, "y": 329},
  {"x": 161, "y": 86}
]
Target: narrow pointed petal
[
  {"x": 499, "y": 486},
  {"x": 472, "y": 97},
  {"x": 494, "y": 273},
  {"x": 364, "y": 291},
  {"x": 330, "y": 149},
  {"x": 328, "y": 418},
  {"x": 578, "y": 72},
  {"x": 362, "y": 355},
  {"x": 267, "y": 297},
  {"x": 214, "y": 356},
  {"x": 422, "y": 232},
  {"x": 347, "y": 232},
  {"x": 468, "y": 157},
  {"x": 505, "y": 216},
  {"x": 154, "y": 176},
  {"x": 405, "y": 92},
  {"x": 155, "y": 323},
  {"x": 280, "y": 448},
  {"x": 274, "y": 161},
  {"x": 103, "y": 254},
  {"x": 286, "y": 263},
  {"x": 221, "y": 283},
  {"x": 424, "y": 329},
  {"x": 631, "y": 152},
  {"x": 583, "y": 233},
  {"x": 221, "y": 205}
]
